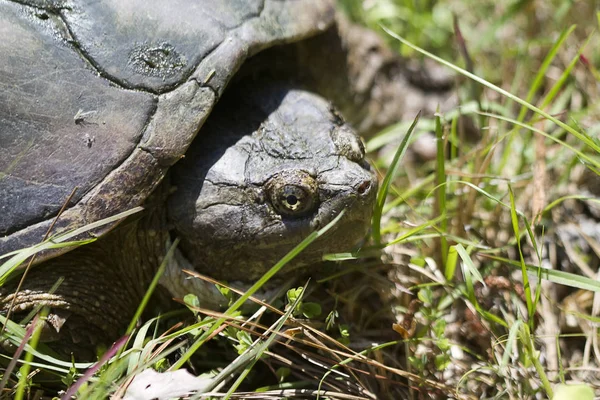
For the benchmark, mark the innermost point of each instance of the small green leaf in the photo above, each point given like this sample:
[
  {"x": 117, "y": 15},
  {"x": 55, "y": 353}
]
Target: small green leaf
[
  {"x": 311, "y": 310},
  {"x": 439, "y": 326},
  {"x": 227, "y": 293},
  {"x": 418, "y": 362},
  {"x": 71, "y": 376},
  {"x": 161, "y": 365},
  {"x": 245, "y": 341},
  {"x": 442, "y": 361},
  {"x": 443, "y": 344},
  {"x": 570, "y": 392},
  {"x": 418, "y": 261},
  {"x": 344, "y": 330},
  {"x": 191, "y": 300},
  {"x": 244, "y": 337},
  {"x": 426, "y": 296},
  {"x": 293, "y": 294},
  {"x": 282, "y": 373}
]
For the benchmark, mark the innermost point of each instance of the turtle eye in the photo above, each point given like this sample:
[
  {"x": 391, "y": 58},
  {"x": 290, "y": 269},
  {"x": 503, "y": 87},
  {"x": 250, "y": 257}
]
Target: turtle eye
[
  {"x": 293, "y": 193},
  {"x": 293, "y": 200}
]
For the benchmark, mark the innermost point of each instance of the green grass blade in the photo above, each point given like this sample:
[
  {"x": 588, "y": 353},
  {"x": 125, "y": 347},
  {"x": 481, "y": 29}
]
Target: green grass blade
[
  {"x": 58, "y": 241},
  {"x": 541, "y": 73},
  {"x": 533, "y": 89},
  {"x": 515, "y": 225},
  {"x": 451, "y": 262},
  {"x": 591, "y": 160},
  {"x": 533, "y": 355},
  {"x": 149, "y": 291},
  {"x": 25, "y": 368},
  {"x": 94, "y": 225},
  {"x": 152, "y": 286},
  {"x": 21, "y": 255},
  {"x": 440, "y": 172},
  {"x": 416, "y": 230},
  {"x": 468, "y": 266},
  {"x": 385, "y": 185},
  {"x": 510, "y": 341},
  {"x": 558, "y": 85},
  {"x": 570, "y": 197},
  {"x": 552, "y": 275}
]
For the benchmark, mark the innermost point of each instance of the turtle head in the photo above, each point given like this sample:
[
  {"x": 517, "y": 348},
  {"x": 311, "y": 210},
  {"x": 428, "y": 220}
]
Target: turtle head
[{"x": 270, "y": 166}]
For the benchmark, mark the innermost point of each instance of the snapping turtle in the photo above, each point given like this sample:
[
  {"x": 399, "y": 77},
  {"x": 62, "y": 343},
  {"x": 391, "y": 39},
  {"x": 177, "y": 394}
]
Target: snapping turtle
[{"x": 112, "y": 99}]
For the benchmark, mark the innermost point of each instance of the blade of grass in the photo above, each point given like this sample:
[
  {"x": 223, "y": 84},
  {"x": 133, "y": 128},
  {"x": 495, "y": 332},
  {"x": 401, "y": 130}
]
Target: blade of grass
[
  {"x": 572, "y": 197},
  {"x": 137, "y": 347},
  {"x": 15, "y": 333},
  {"x": 451, "y": 262},
  {"x": 533, "y": 89},
  {"x": 13, "y": 363},
  {"x": 59, "y": 241},
  {"x": 510, "y": 341},
  {"x": 559, "y": 84},
  {"x": 515, "y": 225},
  {"x": 467, "y": 265},
  {"x": 440, "y": 172},
  {"x": 538, "y": 80},
  {"x": 35, "y": 337},
  {"x": 416, "y": 230},
  {"x": 538, "y": 253},
  {"x": 97, "y": 224},
  {"x": 533, "y": 354},
  {"x": 579, "y": 153},
  {"x": 470, "y": 272},
  {"x": 385, "y": 185},
  {"x": 560, "y": 277},
  {"x": 150, "y": 290}
]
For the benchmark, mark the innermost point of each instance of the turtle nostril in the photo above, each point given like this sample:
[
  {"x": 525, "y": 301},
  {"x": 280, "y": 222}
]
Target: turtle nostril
[{"x": 364, "y": 187}]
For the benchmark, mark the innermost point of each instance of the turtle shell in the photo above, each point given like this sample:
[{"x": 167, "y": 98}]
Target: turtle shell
[{"x": 102, "y": 97}]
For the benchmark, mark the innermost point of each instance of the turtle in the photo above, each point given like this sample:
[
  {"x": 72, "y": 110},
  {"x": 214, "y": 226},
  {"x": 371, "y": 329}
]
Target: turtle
[{"x": 231, "y": 123}]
